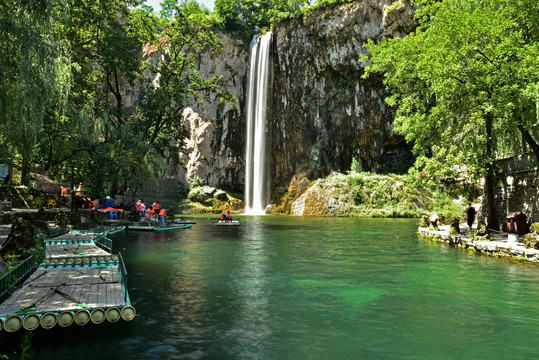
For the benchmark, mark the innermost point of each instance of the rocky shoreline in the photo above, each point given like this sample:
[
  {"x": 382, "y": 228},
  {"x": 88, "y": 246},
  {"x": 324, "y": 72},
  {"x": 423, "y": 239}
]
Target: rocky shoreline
[{"x": 503, "y": 245}]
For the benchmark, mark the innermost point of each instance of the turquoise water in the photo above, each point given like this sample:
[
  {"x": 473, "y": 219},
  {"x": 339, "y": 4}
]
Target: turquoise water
[{"x": 310, "y": 288}]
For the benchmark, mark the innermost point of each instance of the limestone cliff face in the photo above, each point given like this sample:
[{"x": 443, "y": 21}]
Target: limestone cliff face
[
  {"x": 324, "y": 113},
  {"x": 214, "y": 149}
]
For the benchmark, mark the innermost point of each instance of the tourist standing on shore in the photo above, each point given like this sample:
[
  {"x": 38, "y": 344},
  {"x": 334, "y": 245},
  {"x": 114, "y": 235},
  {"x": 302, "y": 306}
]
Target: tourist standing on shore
[{"x": 470, "y": 212}]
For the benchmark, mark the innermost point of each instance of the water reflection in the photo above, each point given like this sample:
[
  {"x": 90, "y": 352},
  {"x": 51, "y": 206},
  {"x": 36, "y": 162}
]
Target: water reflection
[{"x": 250, "y": 328}]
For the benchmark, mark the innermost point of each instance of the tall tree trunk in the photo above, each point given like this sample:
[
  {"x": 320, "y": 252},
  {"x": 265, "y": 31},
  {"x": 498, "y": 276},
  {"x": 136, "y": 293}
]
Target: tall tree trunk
[
  {"x": 489, "y": 181},
  {"x": 25, "y": 171}
]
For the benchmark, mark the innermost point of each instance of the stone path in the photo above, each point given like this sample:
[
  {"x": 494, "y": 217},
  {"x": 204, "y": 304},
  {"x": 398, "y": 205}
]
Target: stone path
[
  {"x": 5, "y": 229},
  {"x": 501, "y": 244}
]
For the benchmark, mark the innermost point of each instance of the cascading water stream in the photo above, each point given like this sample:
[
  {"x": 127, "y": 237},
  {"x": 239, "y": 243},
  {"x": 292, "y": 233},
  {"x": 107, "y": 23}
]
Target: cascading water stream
[{"x": 255, "y": 152}]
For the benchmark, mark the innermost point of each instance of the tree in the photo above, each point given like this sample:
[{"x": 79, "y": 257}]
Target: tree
[
  {"x": 33, "y": 74},
  {"x": 184, "y": 39},
  {"x": 464, "y": 83}
]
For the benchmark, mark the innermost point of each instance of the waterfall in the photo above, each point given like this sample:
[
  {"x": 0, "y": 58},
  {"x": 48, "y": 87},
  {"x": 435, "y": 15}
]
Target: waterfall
[{"x": 255, "y": 152}]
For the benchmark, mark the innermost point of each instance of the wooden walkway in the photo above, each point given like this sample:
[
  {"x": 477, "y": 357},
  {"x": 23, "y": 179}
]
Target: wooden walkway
[{"x": 78, "y": 282}]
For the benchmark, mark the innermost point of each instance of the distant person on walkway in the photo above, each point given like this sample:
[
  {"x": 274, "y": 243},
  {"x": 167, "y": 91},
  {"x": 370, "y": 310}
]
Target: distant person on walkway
[
  {"x": 162, "y": 214},
  {"x": 470, "y": 212}
]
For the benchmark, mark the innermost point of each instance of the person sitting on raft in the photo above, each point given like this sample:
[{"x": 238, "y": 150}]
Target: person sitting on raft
[
  {"x": 228, "y": 216},
  {"x": 223, "y": 217}
]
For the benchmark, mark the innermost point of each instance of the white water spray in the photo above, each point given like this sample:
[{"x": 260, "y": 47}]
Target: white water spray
[{"x": 255, "y": 152}]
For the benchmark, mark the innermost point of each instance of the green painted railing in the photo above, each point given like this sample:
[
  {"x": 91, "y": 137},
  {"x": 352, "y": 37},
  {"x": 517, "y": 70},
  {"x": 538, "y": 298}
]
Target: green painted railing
[
  {"x": 123, "y": 279},
  {"x": 104, "y": 242},
  {"x": 15, "y": 275}
]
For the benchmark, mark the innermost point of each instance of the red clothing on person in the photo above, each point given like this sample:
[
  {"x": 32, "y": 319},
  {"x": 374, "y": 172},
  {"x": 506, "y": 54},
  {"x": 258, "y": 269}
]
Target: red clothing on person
[
  {"x": 229, "y": 216},
  {"x": 162, "y": 212}
]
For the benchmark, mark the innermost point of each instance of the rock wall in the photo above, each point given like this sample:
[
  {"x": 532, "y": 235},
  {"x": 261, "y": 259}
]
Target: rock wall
[
  {"x": 323, "y": 112},
  {"x": 214, "y": 149}
]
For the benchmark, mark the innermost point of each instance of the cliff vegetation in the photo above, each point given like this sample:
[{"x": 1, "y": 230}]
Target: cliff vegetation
[{"x": 365, "y": 194}]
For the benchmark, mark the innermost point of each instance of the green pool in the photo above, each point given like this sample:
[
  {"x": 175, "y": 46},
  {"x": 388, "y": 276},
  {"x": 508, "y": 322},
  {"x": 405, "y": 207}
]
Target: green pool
[{"x": 310, "y": 288}]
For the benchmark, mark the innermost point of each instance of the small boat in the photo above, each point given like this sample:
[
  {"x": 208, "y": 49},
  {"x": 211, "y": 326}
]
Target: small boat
[
  {"x": 228, "y": 223},
  {"x": 156, "y": 228},
  {"x": 173, "y": 227}
]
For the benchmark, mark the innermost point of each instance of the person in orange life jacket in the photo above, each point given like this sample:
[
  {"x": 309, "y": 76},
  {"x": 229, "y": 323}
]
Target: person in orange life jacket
[
  {"x": 149, "y": 215},
  {"x": 156, "y": 206},
  {"x": 228, "y": 216},
  {"x": 162, "y": 213},
  {"x": 223, "y": 217}
]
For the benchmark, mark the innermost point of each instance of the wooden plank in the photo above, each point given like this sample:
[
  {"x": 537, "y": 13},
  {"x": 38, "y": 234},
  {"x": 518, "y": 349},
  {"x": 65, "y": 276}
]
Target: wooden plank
[
  {"x": 107, "y": 275},
  {"x": 56, "y": 301},
  {"x": 84, "y": 286},
  {"x": 73, "y": 277},
  {"x": 77, "y": 287},
  {"x": 30, "y": 292}
]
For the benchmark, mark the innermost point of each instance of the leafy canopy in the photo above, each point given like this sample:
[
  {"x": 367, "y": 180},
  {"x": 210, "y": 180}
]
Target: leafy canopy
[{"x": 463, "y": 83}]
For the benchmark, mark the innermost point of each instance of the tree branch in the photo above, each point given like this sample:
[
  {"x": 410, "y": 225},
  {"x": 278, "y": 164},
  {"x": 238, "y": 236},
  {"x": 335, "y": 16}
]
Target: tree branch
[{"x": 529, "y": 140}]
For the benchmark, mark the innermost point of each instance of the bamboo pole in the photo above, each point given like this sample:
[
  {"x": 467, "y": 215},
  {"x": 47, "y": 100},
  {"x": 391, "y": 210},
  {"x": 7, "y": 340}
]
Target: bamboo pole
[{"x": 49, "y": 320}]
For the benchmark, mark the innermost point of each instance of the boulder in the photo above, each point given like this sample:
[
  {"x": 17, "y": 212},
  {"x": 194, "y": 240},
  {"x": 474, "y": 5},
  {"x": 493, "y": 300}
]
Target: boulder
[
  {"x": 202, "y": 194},
  {"x": 297, "y": 186},
  {"x": 531, "y": 241},
  {"x": 220, "y": 195}
]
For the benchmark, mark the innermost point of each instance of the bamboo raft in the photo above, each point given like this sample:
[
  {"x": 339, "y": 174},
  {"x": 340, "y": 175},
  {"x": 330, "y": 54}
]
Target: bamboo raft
[
  {"x": 228, "y": 223},
  {"x": 65, "y": 295},
  {"x": 79, "y": 281}
]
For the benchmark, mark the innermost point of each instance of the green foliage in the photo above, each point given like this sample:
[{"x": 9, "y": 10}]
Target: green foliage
[
  {"x": 377, "y": 195},
  {"x": 355, "y": 165},
  {"x": 65, "y": 77},
  {"x": 196, "y": 182},
  {"x": 462, "y": 83}
]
